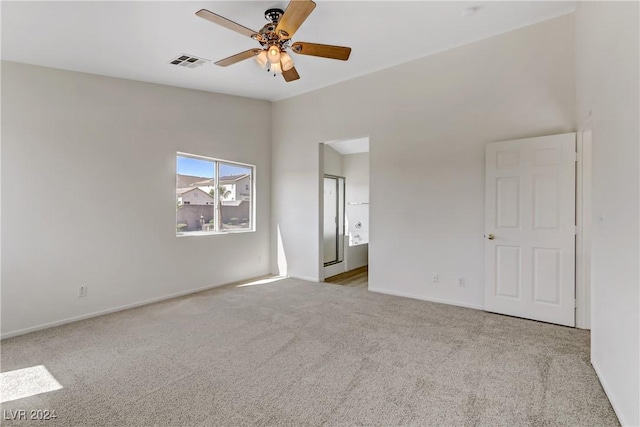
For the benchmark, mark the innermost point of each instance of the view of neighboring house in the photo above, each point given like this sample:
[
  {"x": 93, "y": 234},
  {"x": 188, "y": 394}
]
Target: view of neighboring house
[
  {"x": 195, "y": 201},
  {"x": 193, "y": 196},
  {"x": 236, "y": 187},
  {"x": 188, "y": 181}
]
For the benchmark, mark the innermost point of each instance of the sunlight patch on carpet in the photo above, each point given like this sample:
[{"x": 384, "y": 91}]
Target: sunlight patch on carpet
[
  {"x": 26, "y": 382},
  {"x": 262, "y": 281}
]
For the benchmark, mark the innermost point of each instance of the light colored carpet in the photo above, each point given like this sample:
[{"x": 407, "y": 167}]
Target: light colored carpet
[{"x": 299, "y": 353}]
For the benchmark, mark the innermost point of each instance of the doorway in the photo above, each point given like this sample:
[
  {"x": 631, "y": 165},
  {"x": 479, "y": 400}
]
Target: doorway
[{"x": 344, "y": 207}]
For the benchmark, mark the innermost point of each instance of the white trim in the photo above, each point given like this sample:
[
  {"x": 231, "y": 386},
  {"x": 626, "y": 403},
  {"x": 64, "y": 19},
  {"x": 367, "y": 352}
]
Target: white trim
[
  {"x": 423, "y": 298},
  {"x": 305, "y": 278},
  {"x": 583, "y": 223},
  {"x": 116, "y": 309},
  {"x": 212, "y": 159},
  {"x": 607, "y": 391},
  {"x": 320, "y": 224},
  {"x": 199, "y": 233},
  {"x": 335, "y": 269}
]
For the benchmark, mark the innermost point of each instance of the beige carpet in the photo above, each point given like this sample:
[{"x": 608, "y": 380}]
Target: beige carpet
[{"x": 299, "y": 353}]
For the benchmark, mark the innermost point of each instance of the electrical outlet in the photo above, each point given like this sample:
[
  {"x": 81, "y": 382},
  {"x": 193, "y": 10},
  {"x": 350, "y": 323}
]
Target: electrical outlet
[
  {"x": 461, "y": 282},
  {"x": 82, "y": 291},
  {"x": 436, "y": 279}
]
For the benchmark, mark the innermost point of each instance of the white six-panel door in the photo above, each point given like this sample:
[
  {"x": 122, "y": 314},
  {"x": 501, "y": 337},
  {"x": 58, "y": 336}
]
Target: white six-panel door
[{"x": 530, "y": 228}]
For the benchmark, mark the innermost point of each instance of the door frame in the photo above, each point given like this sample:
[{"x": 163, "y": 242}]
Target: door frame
[
  {"x": 584, "y": 169},
  {"x": 344, "y": 205}
]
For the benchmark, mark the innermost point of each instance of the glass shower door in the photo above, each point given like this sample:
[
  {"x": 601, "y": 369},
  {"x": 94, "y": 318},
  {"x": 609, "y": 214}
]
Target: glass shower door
[{"x": 333, "y": 219}]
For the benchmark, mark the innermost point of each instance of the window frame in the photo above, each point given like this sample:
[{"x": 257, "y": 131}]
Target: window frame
[{"x": 216, "y": 206}]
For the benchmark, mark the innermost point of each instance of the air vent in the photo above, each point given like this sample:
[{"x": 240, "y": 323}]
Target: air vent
[{"x": 188, "y": 61}]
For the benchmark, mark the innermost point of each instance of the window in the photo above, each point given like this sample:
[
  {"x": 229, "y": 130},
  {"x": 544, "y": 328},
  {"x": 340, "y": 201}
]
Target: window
[{"x": 206, "y": 198}]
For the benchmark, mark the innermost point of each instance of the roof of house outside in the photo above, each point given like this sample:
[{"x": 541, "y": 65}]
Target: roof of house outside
[
  {"x": 233, "y": 178},
  {"x": 180, "y": 191},
  {"x": 183, "y": 181}
]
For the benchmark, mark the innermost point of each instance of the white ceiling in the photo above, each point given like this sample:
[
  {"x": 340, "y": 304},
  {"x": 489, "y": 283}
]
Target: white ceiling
[
  {"x": 136, "y": 40},
  {"x": 350, "y": 146}
]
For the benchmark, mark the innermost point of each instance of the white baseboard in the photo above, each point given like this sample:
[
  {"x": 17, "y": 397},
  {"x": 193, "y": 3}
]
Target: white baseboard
[
  {"x": 115, "y": 309},
  {"x": 423, "y": 298},
  {"x": 607, "y": 391},
  {"x": 308, "y": 279}
]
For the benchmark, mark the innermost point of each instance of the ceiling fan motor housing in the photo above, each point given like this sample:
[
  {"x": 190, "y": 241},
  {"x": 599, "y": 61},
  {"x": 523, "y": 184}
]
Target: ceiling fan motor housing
[
  {"x": 273, "y": 15},
  {"x": 268, "y": 35}
]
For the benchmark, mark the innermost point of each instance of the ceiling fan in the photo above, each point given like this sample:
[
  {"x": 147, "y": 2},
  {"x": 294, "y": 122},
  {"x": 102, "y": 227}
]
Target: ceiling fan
[{"x": 275, "y": 39}]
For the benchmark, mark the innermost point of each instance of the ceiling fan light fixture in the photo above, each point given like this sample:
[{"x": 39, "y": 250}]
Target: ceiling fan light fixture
[
  {"x": 274, "y": 54},
  {"x": 261, "y": 59},
  {"x": 276, "y": 68},
  {"x": 285, "y": 61}
]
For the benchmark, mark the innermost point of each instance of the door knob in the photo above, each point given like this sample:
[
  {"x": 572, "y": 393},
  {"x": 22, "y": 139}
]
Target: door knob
[{"x": 490, "y": 236}]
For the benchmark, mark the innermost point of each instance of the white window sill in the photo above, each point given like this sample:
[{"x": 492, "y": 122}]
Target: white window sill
[{"x": 215, "y": 233}]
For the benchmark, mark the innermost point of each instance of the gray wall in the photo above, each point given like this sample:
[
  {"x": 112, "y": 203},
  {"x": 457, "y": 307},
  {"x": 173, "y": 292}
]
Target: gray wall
[
  {"x": 241, "y": 211},
  {"x": 356, "y": 170},
  {"x": 190, "y": 215},
  {"x": 428, "y": 123},
  {"x": 607, "y": 81},
  {"x": 100, "y": 154}
]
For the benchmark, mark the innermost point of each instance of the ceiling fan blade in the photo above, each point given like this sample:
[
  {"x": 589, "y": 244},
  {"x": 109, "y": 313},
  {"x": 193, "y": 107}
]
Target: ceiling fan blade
[
  {"x": 238, "y": 57},
  {"x": 296, "y": 13},
  {"x": 323, "y": 50},
  {"x": 220, "y": 20},
  {"x": 291, "y": 75}
]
